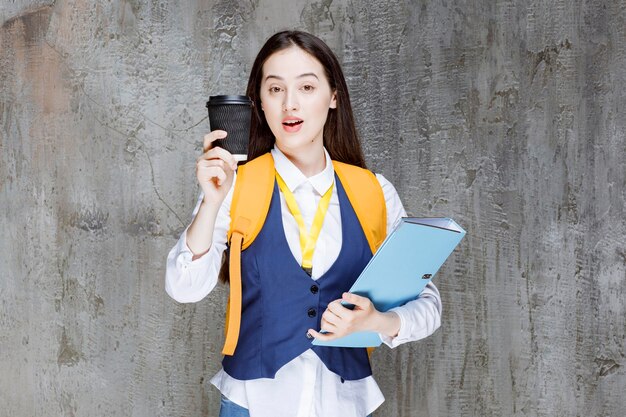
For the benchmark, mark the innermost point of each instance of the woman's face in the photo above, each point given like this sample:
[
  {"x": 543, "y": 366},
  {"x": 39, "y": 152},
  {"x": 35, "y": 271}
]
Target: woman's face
[{"x": 295, "y": 98}]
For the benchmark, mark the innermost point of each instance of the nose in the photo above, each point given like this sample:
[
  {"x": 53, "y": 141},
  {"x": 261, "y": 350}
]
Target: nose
[{"x": 291, "y": 102}]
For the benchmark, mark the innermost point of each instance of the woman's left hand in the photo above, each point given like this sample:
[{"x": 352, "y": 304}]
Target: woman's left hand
[{"x": 340, "y": 321}]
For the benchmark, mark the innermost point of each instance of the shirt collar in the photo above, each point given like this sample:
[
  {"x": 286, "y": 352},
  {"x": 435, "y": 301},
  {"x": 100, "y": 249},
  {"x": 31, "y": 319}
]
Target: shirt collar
[{"x": 294, "y": 178}]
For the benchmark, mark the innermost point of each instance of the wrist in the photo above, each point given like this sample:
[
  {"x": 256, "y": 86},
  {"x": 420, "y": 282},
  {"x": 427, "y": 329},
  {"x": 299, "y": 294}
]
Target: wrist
[
  {"x": 207, "y": 199},
  {"x": 209, "y": 204},
  {"x": 387, "y": 323}
]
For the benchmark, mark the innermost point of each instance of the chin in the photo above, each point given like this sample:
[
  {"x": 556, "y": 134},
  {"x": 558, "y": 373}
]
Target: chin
[{"x": 296, "y": 143}]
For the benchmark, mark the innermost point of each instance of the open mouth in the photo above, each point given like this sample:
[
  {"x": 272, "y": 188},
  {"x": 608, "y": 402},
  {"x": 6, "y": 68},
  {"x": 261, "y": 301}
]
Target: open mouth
[{"x": 292, "y": 123}]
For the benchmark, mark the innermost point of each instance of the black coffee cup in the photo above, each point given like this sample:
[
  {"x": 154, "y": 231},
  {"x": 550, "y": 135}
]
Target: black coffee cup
[{"x": 232, "y": 114}]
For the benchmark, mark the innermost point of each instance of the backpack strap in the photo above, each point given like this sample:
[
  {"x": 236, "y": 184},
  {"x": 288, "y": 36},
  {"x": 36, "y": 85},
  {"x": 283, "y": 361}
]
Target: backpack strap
[
  {"x": 367, "y": 199},
  {"x": 248, "y": 210},
  {"x": 251, "y": 197}
]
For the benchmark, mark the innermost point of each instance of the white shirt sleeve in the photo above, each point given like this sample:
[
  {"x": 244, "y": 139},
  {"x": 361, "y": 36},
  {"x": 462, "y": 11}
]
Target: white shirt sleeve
[
  {"x": 419, "y": 318},
  {"x": 187, "y": 280}
]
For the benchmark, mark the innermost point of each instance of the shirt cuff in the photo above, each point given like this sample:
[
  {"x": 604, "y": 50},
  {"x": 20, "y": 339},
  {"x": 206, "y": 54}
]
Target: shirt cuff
[
  {"x": 185, "y": 255},
  {"x": 403, "y": 335},
  {"x": 419, "y": 318},
  {"x": 188, "y": 281}
]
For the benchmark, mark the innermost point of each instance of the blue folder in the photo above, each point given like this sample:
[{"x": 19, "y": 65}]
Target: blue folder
[{"x": 407, "y": 260}]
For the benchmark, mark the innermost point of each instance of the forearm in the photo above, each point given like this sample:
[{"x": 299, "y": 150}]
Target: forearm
[
  {"x": 200, "y": 231},
  {"x": 192, "y": 273},
  {"x": 419, "y": 318},
  {"x": 387, "y": 323}
]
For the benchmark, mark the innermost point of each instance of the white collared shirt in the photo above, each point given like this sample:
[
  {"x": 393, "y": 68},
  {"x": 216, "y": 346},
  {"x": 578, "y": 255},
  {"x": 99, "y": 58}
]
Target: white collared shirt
[{"x": 303, "y": 387}]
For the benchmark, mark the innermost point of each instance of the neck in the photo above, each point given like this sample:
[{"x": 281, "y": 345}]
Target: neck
[{"x": 309, "y": 163}]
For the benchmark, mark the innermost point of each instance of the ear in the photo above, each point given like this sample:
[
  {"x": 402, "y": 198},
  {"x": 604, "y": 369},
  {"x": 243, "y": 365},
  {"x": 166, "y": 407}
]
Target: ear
[{"x": 333, "y": 101}]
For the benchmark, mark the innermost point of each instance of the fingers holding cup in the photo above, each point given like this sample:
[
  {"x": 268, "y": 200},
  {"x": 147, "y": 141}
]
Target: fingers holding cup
[
  {"x": 211, "y": 137},
  {"x": 218, "y": 153}
]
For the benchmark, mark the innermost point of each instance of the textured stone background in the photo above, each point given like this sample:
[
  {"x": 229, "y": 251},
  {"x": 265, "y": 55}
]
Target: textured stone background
[{"x": 507, "y": 115}]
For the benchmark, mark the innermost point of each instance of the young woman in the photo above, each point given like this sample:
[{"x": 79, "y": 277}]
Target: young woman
[{"x": 303, "y": 118}]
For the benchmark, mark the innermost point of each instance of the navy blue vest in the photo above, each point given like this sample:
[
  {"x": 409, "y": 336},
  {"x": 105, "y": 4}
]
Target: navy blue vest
[{"x": 281, "y": 302}]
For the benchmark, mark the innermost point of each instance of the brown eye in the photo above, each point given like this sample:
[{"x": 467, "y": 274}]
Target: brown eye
[{"x": 308, "y": 88}]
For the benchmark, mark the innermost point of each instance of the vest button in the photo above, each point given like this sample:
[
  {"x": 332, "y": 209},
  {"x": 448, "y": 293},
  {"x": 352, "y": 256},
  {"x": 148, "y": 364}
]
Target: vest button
[
  {"x": 314, "y": 289},
  {"x": 312, "y": 312}
]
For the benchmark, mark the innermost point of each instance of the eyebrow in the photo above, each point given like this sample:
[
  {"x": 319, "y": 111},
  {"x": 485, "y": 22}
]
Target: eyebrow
[{"x": 306, "y": 74}]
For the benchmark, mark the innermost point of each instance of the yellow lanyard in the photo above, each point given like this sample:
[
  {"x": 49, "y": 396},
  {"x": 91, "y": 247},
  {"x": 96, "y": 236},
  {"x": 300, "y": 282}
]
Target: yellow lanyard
[{"x": 307, "y": 239}]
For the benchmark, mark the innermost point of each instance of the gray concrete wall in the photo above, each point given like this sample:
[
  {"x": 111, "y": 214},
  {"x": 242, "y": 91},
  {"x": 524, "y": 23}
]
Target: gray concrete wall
[{"x": 505, "y": 115}]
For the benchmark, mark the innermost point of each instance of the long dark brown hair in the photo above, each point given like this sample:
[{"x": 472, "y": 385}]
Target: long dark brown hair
[{"x": 340, "y": 136}]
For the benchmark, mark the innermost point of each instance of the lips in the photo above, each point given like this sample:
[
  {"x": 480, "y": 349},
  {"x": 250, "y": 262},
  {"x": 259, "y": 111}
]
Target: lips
[{"x": 292, "y": 124}]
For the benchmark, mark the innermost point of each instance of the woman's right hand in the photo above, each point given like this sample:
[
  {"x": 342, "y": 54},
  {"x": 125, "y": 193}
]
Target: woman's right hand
[{"x": 215, "y": 169}]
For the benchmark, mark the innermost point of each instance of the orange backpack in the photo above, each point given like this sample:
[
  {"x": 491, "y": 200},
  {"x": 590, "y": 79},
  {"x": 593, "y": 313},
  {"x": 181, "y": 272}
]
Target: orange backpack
[{"x": 251, "y": 201}]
